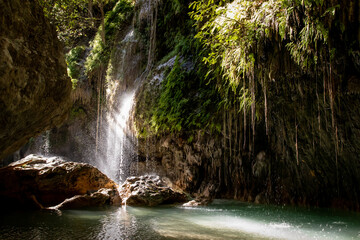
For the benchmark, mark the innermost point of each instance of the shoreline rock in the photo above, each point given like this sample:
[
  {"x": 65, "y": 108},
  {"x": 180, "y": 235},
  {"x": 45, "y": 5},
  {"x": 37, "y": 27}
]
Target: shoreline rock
[
  {"x": 39, "y": 182},
  {"x": 102, "y": 197},
  {"x": 199, "y": 201},
  {"x": 149, "y": 190}
]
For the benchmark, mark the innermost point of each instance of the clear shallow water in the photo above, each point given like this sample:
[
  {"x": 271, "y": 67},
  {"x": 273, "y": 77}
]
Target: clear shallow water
[{"x": 221, "y": 220}]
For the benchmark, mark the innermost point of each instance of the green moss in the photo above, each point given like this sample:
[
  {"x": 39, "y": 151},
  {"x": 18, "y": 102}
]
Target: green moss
[
  {"x": 98, "y": 54},
  {"x": 174, "y": 28},
  {"x": 77, "y": 112},
  {"x": 115, "y": 20},
  {"x": 183, "y": 46},
  {"x": 73, "y": 59},
  {"x": 182, "y": 103}
]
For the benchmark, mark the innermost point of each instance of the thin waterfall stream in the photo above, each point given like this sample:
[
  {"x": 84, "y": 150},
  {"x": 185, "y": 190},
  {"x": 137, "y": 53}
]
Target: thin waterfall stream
[
  {"x": 130, "y": 63},
  {"x": 120, "y": 146}
]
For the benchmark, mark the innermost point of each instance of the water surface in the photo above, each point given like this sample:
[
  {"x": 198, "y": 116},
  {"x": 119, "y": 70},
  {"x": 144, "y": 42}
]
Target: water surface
[{"x": 223, "y": 219}]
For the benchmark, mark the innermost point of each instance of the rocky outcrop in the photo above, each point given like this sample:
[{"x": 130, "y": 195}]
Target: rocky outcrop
[
  {"x": 43, "y": 182},
  {"x": 149, "y": 190},
  {"x": 207, "y": 168},
  {"x": 199, "y": 201},
  {"x": 194, "y": 168},
  {"x": 102, "y": 197},
  {"x": 34, "y": 87}
]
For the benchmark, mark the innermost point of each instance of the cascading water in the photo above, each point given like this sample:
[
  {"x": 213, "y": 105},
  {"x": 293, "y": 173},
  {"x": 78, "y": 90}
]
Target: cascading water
[
  {"x": 115, "y": 148},
  {"x": 119, "y": 149},
  {"x": 40, "y": 145}
]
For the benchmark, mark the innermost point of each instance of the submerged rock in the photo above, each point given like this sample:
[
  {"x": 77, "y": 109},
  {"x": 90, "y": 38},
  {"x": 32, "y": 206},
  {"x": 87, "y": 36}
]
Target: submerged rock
[
  {"x": 149, "y": 190},
  {"x": 43, "y": 182}
]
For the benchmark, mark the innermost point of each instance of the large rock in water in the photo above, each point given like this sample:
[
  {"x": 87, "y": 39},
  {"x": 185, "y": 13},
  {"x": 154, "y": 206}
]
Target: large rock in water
[
  {"x": 149, "y": 190},
  {"x": 34, "y": 87},
  {"x": 104, "y": 196},
  {"x": 43, "y": 182}
]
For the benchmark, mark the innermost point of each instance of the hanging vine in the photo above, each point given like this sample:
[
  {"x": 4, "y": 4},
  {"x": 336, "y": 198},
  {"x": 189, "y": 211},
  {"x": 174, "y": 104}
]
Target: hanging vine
[{"x": 232, "y": 31}]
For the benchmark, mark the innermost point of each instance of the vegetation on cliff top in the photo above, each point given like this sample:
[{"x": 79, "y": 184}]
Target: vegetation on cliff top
[
  {"x": 76, "y": 20},
  {"x": 115, "y": 20}
]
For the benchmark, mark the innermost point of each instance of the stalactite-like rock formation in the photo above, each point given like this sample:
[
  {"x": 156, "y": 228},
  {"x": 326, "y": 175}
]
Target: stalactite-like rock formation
[
  {"x": 34, "y": 87},
  {"x": 293, "y": 136}
]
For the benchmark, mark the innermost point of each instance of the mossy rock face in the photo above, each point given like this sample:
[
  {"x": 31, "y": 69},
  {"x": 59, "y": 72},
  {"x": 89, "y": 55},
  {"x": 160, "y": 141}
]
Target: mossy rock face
[{"x": 34, "y": 87}]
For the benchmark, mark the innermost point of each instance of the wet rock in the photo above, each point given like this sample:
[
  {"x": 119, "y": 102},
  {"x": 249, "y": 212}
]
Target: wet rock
[
  {"x": 149, "y": 190},
  {"x": 260, "y": 198},
  {"x": 34, "y": 86},
  {"x": 260, "y": 167},
  {"x": 43, "y": 182},
  {"x": 199, "y": 201},
  {"x": 208, "y": 190},
  {"x": 102, "y": 197}
]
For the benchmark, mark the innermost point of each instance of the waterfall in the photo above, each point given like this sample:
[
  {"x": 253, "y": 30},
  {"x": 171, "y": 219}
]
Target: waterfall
[
  {"x": 112, "y": 147},
  {"x": 118, "y": 148},
  {"x": 40, "y": 145}
]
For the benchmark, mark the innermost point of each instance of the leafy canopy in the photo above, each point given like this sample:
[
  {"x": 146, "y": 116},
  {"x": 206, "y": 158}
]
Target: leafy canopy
[
  {"x": 73, "y": 18},
  {"x": 232, "y": 30}
]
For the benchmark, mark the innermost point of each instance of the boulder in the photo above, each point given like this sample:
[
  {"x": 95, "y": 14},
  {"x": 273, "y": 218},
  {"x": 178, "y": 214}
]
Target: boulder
[
  {"x": 149, "y": 190},
  {"x": 34, "y": 86},
  {"x": 199, "y": 201},
  {"x": 43, "y": 182},
  {"x": 102, "y": 197}
]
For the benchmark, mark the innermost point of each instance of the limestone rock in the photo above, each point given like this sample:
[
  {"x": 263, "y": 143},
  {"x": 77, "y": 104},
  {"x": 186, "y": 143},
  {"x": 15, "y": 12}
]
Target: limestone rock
[
  {"x": 104, "y": 196},
  {"x": 149, "y": 190},
  {"x": 200, "y": 201},
  {"x": 34, "y": 87},
  {"x": 42, "y": 182}
]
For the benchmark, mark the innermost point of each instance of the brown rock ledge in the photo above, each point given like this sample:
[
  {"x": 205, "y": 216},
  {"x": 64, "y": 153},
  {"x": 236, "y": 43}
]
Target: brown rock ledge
[{"x": 38, "y": 182}]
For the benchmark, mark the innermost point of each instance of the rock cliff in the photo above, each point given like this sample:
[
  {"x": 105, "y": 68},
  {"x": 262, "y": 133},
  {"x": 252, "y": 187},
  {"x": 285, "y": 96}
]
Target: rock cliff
[
  {"x": 34, "y": 87},
  {"x": 296, "y": 143},
  {"x": 286, "y": 134}
]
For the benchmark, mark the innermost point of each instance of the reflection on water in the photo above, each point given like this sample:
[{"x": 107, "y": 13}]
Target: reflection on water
[{"x": 221, "y": 220}]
